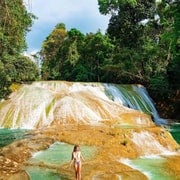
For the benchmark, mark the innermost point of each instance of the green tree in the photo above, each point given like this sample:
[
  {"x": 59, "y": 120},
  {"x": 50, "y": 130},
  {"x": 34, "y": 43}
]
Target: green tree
[
  {"x": 75, "y": 56},
  {"x": 25, "y": 69},
  {"x": 131, "y": 63},
  {"x": 15, "y": 22},
  {"x": 49, "y": 51},
  {"x": 5, "y": 81},
  {"x": 98, "y": 52},
  {"x": 170, "y": 20},
  {"x": 70, "y": 54},
  {"x": 125, "y": 23}
]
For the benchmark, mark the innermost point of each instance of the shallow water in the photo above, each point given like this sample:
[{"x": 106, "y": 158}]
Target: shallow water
[
  {"x": 53, "y": 158},
  {"x": 59, "y": 153},
  {"x": 39, "y": 173},
  {"x": 151, "y": 166},
  {"x": 8, "y": 136},
  {"x": 175, "y": 131}
]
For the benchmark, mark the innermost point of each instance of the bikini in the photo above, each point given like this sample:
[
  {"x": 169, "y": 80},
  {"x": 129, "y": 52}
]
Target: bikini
[
  {"x": 75, "y": 155},
  {"x": 77, "y": 162}
]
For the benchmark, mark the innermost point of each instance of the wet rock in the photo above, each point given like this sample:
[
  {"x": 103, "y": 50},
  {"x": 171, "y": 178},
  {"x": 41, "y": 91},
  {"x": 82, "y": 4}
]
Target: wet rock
[{"x": 19, "y": 176}]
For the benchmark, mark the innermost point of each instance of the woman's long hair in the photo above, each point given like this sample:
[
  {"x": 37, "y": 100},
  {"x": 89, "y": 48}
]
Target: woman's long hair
[{"x": 76, "y": 147}]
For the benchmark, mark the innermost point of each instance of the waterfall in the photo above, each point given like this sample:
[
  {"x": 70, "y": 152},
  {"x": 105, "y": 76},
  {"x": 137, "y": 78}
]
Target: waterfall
[
  {"x": 31, "y": 106},
  {"x": 45, "y": 102},
  {"x": 135, "y": 97}
]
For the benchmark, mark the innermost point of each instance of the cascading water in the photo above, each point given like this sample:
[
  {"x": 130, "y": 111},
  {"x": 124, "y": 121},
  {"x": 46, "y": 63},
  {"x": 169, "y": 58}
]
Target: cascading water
[
  {"x": 135, "y": 97},
  {"x": 31, "y": 106},
  {"x": 147, "y": 144},
  {"x": 39, "y": 104}
]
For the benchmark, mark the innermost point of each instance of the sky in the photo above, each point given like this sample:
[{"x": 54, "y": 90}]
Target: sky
[{"x": 80, "y": 14}]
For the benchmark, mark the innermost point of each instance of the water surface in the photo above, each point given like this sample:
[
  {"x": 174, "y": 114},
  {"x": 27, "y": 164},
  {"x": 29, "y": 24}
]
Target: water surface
[
  {"x": 8, "y": 136},
  {"x": 52, "y": 159},
  {"x": 151, "y": 166},
  {"x": 175, "y": 131}
]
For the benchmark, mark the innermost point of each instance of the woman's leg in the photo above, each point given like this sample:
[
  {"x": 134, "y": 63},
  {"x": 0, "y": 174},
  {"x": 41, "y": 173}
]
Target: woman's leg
[
  {"x": 79, "y": 171},
  {"x": 76, "y": 170}
]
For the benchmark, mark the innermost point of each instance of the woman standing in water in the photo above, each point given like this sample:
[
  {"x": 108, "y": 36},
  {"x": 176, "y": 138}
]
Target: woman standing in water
[{"x": 76, "y": 158}]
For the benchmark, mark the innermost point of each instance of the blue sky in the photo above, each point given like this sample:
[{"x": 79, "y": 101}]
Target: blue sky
[{"x": 81, "y": 14}]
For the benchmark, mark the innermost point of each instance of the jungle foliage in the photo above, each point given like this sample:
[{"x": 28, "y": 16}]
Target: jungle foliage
[
  {"x": 73, "y": 56},
  {"x": 140, "y": 46},
  {"x": 146, "y": 52},
  {"x": 15, "y": 22}
]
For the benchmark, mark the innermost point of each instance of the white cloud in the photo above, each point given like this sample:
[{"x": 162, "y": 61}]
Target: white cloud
[
  {"x": 81, "y": 14},
  {"x": 51, "y": 10}
]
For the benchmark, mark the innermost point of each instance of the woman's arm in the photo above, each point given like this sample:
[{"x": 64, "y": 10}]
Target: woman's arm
[
  {"x": 72, "y": 158},
  {"x": 82, "y": 157}
]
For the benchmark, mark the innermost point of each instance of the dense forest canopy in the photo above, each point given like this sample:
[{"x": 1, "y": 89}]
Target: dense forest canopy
[
  {"x": 15, "y": 22},
  {"x": 130, "y": 51},
  {"x": 140, "y": 46}
]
